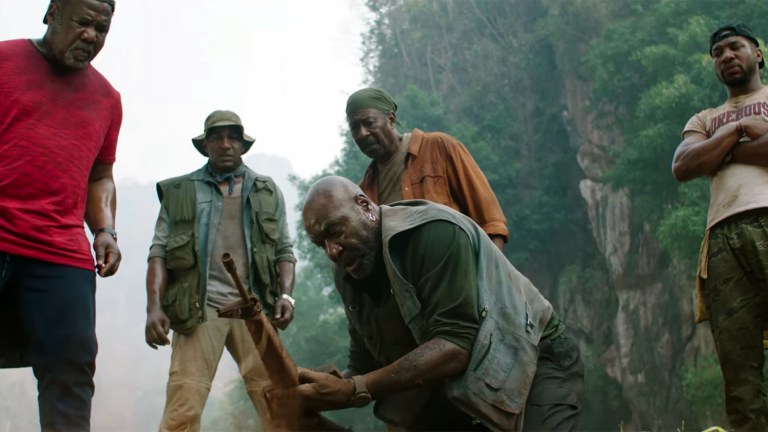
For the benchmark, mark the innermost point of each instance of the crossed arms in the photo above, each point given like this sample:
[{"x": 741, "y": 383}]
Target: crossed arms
[{"x": 697, "y": 155}]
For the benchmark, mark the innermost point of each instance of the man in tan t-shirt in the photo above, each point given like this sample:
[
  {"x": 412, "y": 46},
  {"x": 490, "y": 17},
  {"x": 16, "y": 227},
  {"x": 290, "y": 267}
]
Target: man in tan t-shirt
[{"x": 730, "y": 145}]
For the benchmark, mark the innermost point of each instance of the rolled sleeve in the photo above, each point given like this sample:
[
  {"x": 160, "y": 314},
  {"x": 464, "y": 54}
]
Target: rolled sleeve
[
  {"x": 470, "y": 188},
  {"x": 284, "y": 248},
  {"x": 160, "y": 239}
]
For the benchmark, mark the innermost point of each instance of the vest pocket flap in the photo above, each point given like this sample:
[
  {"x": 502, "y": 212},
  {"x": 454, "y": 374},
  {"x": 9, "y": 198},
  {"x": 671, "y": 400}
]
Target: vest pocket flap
[
  {"x": 495, "y": 386},
  {"x": 180, "y": 252},
  {"x": 181, "y": 306},
  {"x": 506, "y": 370},
  {"x": 269, "y": 226}
]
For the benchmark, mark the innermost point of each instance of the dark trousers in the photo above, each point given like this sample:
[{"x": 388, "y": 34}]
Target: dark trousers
[
  {"x": 47, "y": 321},
  {"x": 554, "y": 402},
  {"x": 553, "y": 405}
]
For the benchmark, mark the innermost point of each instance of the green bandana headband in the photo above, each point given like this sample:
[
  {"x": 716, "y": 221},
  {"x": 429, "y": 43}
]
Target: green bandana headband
[{"x": 371, "y": 98}]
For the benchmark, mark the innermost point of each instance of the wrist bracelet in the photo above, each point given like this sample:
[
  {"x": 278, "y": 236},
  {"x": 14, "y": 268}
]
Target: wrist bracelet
[
  {"x": 290, "y": 299},
  {"x": 107, "y": 230}
]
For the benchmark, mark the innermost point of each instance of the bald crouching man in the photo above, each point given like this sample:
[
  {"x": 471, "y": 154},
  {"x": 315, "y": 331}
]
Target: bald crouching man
[{"x": 438, "y": 320}]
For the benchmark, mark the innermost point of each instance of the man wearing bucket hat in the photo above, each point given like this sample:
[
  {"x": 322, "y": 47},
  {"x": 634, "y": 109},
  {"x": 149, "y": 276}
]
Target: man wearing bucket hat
[
  {"x": 728, "y": 144},
  {"x": 222, "y": 207},
  {"x": 419, "y": 165}
]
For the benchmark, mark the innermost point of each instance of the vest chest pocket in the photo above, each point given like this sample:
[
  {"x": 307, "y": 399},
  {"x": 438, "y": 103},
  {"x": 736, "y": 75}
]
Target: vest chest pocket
[
  {"x": 269, "y": 226},
  {"x": 180, "y": 252}
]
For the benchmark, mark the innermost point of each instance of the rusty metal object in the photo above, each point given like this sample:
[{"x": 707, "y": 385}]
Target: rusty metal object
[{"x": 280, "y": 367}]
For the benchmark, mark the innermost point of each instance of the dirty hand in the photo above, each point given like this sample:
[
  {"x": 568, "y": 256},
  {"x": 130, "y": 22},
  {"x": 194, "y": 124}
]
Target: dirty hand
[
  {"x": 107, "y": 254},
  {"x": 156, "y": 330},
  {"x": 321, "y": 391},
  {"x": 283, "y": 314}
]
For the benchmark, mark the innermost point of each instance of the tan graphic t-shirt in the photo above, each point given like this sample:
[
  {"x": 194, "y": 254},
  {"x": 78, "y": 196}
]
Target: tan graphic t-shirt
[{"x": 736, "y": 187}]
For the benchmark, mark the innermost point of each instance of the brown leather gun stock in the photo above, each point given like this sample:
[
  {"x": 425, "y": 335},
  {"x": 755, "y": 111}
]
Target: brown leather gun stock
[{"x": 278, "y": 363}]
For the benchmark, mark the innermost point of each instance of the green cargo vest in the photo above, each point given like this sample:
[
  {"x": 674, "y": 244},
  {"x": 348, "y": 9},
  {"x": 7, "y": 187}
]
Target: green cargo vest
[
  {"x": 185, "y": 294},
  {"x": 513, "y": 314}
]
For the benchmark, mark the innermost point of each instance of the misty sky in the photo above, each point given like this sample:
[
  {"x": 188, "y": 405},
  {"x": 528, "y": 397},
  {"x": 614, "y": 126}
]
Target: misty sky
[{"x": 286, "y": 66}]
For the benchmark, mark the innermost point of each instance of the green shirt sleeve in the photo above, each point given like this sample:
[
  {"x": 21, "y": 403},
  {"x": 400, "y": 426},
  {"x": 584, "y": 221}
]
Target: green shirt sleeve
[
  {"x": 160, "y": 239},
  {"x": 284, "y": 249},
  {"x": 440, "y": 262}
]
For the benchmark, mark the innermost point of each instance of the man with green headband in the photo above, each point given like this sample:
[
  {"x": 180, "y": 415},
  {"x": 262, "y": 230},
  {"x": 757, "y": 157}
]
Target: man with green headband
[{"x": 420, "y": 165}]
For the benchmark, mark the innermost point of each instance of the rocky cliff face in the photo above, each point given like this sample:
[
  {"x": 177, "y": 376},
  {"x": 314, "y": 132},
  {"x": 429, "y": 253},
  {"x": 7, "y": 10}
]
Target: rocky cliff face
[{"x": 652, "y": 336}]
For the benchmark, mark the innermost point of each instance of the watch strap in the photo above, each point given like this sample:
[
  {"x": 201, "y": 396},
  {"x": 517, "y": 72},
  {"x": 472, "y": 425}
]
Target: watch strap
[
  {"x": 107, "y": 230},
  {"x": 360, "y": 387},
  {"x": 361, "y": 397}
]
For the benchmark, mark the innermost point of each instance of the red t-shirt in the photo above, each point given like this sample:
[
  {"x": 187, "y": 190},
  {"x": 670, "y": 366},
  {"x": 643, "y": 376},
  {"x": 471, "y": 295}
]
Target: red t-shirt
[{"x": 53, "y": 127}]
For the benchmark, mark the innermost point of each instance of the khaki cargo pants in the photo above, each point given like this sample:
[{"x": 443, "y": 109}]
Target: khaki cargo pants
[{"x": 194, "y": 360}]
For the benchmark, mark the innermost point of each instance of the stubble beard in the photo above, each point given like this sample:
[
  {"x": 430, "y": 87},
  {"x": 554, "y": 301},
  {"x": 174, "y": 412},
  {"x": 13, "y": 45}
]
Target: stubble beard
[{"x": 71, "y": 58}]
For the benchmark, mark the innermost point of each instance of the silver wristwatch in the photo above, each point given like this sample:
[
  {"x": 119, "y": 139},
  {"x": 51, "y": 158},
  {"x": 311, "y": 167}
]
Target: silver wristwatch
[{"x": 290, "y": 299}]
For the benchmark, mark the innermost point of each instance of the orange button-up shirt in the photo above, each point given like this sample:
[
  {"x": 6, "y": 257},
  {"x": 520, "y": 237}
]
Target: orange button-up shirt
[{"x": 439, "y": 168}]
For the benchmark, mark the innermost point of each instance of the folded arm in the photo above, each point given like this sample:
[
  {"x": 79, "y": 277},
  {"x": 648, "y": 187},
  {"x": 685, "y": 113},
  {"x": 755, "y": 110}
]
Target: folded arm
[
  {"x": 698, "y": 156},
  {"x": 755, "y": 151}
]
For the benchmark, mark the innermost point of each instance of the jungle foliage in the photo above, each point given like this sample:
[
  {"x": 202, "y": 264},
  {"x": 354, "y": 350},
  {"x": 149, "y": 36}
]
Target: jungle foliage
[{"x": 496, "y": 75}]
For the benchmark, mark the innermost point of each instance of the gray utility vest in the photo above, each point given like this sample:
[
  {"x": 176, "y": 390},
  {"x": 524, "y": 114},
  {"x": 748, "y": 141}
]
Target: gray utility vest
[
  {"x": 184, "y": 297},
  {"x": 513, "y": 313}
]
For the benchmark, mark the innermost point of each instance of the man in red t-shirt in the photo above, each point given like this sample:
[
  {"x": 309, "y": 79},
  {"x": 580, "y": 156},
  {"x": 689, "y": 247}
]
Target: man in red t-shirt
[{"x": 59, "y": 123}]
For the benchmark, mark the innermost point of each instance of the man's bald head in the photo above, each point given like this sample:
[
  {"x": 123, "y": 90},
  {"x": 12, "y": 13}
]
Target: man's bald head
[
  {"x": 342, "y": 220},
  {"x": 332, "y": 189}
]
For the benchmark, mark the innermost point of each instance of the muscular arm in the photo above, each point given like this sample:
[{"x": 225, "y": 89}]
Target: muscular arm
[
  {"x": 432, "y": 361},
  {"x": 698, "y": 156},
  {"x": 435, "y": 360},
  {"x": 100, "y": 213}
]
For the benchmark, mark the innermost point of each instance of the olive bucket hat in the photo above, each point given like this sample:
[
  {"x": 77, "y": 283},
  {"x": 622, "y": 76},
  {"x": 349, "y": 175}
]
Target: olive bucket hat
[{"x": 222, "y": 118}]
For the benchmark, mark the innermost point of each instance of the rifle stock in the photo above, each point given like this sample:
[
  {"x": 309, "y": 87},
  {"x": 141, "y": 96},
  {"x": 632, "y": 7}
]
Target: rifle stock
[{"x": 280, "y": 367}]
